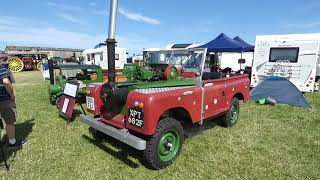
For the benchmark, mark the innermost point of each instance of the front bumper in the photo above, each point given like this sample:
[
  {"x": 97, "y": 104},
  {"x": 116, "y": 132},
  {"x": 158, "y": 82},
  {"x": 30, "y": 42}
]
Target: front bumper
[{"x": 120, "y": 134}]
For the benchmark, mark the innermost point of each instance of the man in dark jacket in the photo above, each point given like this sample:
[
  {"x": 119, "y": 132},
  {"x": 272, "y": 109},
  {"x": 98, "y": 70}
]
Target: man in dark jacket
[{"x": 8, "y": 105}]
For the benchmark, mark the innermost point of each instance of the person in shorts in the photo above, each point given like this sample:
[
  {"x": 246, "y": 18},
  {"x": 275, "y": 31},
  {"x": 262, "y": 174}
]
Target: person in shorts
[{"x": 8, "y": 105}]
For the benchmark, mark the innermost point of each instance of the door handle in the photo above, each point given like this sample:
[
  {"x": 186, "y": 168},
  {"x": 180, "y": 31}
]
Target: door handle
[{"x": 187, "y": 93}]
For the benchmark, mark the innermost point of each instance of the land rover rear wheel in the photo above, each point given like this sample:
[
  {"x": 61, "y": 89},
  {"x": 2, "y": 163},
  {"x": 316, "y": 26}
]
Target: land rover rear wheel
[
  {"x": 165, "y": 145},
  {"x": 231, "y": 117}
]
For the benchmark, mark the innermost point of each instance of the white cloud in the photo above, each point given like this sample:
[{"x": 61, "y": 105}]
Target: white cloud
[
  {"x": 70, "y": 18},
  {"x": 64, "y": 6},
  {"x": 50, "y": 36},
  {"x": 92, "y": 4},
  {"x": 46, "y": 36},
  {"x": 138, "y": 17},
  {"x": 307, "y": 25},
  {"x": 9, "y": 21},
  {"x": 135, "y": 44}
]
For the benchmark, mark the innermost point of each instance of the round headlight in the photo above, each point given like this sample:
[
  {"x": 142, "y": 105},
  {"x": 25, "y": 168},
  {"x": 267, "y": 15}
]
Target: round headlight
[{"x": 136, "y": 103}]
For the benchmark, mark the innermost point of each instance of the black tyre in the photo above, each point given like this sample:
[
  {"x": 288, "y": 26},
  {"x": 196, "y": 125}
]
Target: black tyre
[
  {"x": 231, "y": 117},
  {"x": 165, "y": 145},
  {"x": 52, "y": 99},
  {"x": 57, "y": 102}
]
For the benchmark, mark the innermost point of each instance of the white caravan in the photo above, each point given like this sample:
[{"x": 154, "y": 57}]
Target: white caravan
[
  {"x": 99, "y": 56},
  {"x": 294, "y": 56}
]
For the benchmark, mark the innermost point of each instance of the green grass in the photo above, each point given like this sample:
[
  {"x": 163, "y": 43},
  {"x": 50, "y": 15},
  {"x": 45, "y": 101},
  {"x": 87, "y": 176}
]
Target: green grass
[{"x": 268, "y": 142}]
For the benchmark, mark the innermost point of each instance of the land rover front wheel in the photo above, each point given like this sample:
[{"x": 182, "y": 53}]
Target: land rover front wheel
[
  {"x": 165, "y": 145},
  {"x": 232, "y": 115}
]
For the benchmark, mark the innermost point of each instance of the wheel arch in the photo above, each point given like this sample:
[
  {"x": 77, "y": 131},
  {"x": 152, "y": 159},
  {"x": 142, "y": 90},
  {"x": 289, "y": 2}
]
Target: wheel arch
[
  {"x": 178, "y": 113},
  {"x": 239, "y": 96}
]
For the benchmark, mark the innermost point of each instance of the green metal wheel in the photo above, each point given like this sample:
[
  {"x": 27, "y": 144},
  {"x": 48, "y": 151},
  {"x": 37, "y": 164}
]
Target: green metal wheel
[
  {"x": 231, "y": 117},
  {"x": 234, "y": 113},
  {"x": 165, "y": 145},
  {"x": 170, "y": 73},
  {"x": 169, "y": 145}
]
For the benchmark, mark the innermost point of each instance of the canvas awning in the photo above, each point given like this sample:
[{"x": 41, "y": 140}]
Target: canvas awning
[
  {"x": 246, "y": 47},
  {"x": 223, "y": 43}
]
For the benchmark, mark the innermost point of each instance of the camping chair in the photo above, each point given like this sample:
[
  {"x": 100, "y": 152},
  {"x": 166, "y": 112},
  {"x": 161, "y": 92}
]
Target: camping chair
[{"x": 2, "y": 144}]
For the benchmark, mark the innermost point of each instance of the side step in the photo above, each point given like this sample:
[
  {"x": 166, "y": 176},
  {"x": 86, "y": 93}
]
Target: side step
[{"x": 119, "y": 134}]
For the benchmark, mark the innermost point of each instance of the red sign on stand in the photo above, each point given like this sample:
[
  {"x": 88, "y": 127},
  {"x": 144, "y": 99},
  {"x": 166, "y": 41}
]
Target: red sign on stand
[
  {"x": 66, "y": 106},
  {"x": 68, "y": 100}
]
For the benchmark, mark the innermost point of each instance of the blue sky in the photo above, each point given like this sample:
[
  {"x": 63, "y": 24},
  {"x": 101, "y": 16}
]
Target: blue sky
[{"x": 150, "y": 23}]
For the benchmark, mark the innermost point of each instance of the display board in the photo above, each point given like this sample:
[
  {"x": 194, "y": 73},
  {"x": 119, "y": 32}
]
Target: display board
[{"x": 68, "y": 100}]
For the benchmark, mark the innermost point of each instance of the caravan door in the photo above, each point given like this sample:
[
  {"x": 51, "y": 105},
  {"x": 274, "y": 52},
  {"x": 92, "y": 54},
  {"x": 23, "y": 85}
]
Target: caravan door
[{"x": 294, "y": 60}]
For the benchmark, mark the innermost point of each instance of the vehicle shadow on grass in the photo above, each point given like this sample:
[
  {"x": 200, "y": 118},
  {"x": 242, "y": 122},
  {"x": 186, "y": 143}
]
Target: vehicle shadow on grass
[
  {"x": 192, "y": 130},
  {"x": 22, "y": 132},
  {"x": 124, "y": 150}
]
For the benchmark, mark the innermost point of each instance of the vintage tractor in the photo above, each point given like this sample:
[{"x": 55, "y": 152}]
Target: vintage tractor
[
  {"x": 166, "y": 92},
  {"x": 83, "y": 74},
  {"x": 19, "y": 63}
]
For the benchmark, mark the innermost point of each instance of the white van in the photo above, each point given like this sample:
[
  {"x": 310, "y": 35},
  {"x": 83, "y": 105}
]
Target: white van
[{"x": 99, "y": 56}]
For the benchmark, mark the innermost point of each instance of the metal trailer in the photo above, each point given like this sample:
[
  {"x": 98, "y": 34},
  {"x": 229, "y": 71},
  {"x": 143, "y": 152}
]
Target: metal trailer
[
  {"x": 99, "y": 56},
  {"x": 293, "y": 56}
]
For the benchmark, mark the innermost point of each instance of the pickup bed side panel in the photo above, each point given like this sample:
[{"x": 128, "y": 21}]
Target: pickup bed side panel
[
  {"x": 215, "y": 100},
  {"x": 219, "y": 93},
  {"x": 240, "y": 85},
  {"x": 158, "y": 103}
]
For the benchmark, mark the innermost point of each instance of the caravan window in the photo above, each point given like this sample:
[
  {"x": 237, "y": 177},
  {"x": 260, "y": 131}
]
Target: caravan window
[{"x": 284, "y": 54}]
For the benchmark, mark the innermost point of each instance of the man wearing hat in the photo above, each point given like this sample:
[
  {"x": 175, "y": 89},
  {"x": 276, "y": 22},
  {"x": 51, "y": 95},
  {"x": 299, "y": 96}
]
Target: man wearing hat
[{"x": 7, "y": 104}]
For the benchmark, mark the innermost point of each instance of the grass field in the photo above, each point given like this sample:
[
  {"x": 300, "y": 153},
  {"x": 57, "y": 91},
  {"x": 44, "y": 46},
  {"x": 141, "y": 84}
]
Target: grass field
[{"x": 268, "y": 142}]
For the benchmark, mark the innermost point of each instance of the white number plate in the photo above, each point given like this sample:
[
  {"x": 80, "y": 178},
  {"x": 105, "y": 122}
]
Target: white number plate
[{"x": 90, "y": 103}]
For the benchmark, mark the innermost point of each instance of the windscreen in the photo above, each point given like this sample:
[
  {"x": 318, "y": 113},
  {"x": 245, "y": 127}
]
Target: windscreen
[
  {"x": 188, "y": 60},
  {"x": 284, "y": 54}
]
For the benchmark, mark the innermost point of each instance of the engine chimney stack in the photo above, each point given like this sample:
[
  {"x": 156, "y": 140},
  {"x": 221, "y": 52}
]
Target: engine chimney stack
[{"x": 111, "y": 42}]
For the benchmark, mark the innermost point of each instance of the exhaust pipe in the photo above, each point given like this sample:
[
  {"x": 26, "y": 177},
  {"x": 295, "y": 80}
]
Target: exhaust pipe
[
  {"x": 50, "y": 66},
  {"x": 111, "y": 42}
]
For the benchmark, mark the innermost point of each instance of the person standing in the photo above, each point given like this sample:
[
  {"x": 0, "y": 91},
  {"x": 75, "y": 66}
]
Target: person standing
[{"x": 8, "y": 106}]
